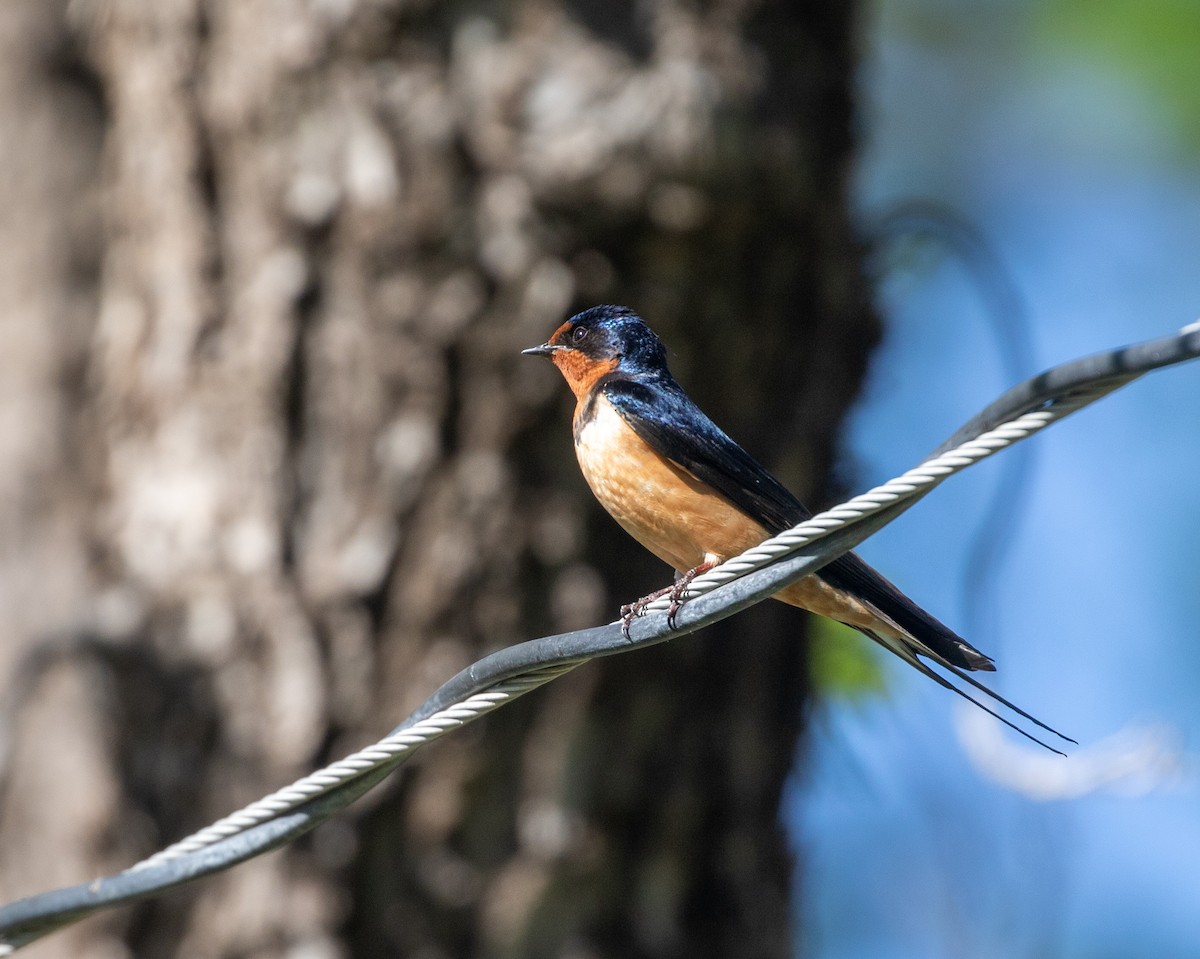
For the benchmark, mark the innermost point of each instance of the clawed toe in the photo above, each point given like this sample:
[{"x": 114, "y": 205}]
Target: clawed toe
[
  {"x": 675, "y": 591},
  {"x": 675, "y": 607},
  {"x": 676, "y": 595},
  {"x": 631, "y": 611}
]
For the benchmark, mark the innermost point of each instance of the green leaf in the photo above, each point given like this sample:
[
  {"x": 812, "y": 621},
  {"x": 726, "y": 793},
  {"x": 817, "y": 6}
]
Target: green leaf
[
  {"x": 844, "y": 663},
  {"x": 1155, "y": 42}
]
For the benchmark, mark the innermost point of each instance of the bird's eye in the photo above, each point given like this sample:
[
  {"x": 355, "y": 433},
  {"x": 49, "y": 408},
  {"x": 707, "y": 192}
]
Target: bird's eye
[{"x": 579, "y": 334}]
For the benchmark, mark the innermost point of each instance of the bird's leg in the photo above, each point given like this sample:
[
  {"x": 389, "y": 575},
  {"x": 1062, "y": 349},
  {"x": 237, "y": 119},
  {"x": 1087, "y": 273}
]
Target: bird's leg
[{"x": 675, "y": 591}]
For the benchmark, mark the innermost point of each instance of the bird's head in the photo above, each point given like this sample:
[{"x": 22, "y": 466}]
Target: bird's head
[{"x": 598, "y": 341}]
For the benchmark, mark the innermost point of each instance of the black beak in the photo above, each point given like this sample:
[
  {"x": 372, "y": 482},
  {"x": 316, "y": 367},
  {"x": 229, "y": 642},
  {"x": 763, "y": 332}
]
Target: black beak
[{"x": 544, "y": 350}]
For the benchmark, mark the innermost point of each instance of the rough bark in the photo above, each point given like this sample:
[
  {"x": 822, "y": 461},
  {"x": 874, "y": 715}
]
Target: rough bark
[{"x": 275, "y": 469}]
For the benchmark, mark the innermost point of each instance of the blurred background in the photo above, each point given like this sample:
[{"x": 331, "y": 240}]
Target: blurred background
[
  {"x": 1068, "y": 134},
  {"x": 273, "y": 468}
]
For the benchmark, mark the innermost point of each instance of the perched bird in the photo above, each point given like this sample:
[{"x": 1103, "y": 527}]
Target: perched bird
[{"x": 693, "y": 497}]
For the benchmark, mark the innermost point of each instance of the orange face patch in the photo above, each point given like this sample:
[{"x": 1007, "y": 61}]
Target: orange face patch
[{"x": 581, "y": 372}]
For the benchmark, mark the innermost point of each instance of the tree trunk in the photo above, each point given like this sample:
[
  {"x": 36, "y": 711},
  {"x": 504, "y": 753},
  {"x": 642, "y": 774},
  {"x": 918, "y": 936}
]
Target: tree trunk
[{"x": 276, "y": 468}]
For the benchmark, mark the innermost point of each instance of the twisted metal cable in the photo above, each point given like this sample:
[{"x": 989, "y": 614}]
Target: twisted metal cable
[
  {"x": 388, "y": 752},
  {"x": 513, "y": 671}
]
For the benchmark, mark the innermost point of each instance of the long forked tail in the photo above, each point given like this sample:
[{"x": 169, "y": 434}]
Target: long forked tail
[{"x": 909, "y": 652}]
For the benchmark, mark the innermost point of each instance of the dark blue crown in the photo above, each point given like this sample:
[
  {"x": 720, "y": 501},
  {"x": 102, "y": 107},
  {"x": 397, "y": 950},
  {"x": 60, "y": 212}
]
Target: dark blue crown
[{"x": 625, "y": 332}]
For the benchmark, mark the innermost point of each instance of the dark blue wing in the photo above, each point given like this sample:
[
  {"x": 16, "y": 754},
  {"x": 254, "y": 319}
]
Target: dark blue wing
[{"x": 663, "y": 415}]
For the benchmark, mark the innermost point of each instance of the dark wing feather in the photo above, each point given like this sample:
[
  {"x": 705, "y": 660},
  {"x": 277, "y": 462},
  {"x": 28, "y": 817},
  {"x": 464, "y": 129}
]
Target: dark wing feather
[{"x": 663, "y": 415}]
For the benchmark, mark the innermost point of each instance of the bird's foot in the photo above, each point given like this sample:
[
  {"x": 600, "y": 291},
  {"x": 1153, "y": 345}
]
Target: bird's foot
[
  {"x": 681, "y": 586},
  {"x": 631, "y": 611},
  {"x": 675, "y": 592}
]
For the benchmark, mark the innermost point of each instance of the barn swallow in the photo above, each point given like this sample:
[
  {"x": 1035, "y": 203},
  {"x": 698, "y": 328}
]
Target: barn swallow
[{"x": 693, "y": 497}]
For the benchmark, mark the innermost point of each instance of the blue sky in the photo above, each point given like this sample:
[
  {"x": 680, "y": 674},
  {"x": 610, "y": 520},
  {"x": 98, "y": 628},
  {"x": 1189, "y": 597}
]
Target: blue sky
[{"x": 1077, "y": 177}]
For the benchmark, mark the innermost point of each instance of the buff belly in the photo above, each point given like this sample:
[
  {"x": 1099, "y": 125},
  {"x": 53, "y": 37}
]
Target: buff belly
[{"x": 679, "y": 519}]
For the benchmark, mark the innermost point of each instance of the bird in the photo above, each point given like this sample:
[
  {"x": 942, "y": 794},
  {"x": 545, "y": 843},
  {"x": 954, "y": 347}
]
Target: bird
[{"x": 680, "y": 486}]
